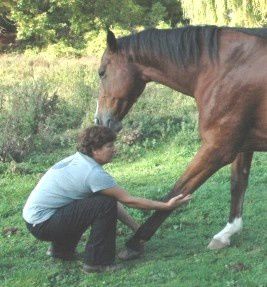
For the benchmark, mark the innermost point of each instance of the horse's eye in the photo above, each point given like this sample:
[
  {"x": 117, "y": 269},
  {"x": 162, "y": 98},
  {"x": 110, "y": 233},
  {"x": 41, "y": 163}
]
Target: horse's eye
[{"x": 101, "y": 73}]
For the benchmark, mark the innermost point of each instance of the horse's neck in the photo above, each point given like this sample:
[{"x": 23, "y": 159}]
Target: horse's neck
[{"x": 179, "y": 79}]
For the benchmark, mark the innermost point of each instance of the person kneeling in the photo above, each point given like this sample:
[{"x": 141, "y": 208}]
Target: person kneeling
[{"x": 77, "y": 193}]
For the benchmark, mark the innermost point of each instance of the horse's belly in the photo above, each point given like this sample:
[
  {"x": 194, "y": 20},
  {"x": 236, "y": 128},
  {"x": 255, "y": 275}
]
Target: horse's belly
[
  {"x": 257, "y": 138},
  {"x": 255, "y": 142}
]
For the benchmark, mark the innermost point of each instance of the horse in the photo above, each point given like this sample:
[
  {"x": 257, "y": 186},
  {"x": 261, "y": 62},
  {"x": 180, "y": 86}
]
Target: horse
[{"x": 225, "y": 70}]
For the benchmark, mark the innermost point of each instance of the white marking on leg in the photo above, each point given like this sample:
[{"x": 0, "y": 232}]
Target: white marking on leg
[{"x": 230, "y": 229}]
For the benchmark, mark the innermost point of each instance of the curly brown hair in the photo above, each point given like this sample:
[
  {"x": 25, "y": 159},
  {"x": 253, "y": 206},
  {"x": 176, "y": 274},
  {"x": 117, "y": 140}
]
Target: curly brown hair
[{"x": 93, "y": 138}]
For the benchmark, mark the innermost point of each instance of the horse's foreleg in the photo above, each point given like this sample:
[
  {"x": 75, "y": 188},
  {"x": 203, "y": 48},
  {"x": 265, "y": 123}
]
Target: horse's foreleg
[
  {"x": 239, "y": 182},
  {"x": 207, "y": 161}
]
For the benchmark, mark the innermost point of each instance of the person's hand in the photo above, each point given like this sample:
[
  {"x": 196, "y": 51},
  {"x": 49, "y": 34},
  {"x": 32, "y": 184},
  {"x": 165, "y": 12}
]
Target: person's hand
[{"x": 178, "y": 200}]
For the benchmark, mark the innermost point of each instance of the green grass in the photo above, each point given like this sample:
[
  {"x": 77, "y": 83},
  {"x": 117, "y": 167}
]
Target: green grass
[{"x": 176, "y": 255}]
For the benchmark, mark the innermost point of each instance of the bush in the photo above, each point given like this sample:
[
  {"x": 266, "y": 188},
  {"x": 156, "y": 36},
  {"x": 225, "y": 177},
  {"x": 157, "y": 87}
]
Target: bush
[
  {"x": 42, "y": 100},
  {"x": 27, "y": 107}
]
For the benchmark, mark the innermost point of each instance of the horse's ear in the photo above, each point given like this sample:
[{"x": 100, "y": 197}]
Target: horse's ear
[{"x": 112, "y": 41}]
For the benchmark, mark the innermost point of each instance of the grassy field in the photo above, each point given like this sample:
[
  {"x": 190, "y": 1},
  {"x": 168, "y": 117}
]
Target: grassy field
[{"x": 175, "y": 256}]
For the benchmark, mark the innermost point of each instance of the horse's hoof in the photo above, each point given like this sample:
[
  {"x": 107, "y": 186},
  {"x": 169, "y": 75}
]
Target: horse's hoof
[{"x": 216, "y": 244}]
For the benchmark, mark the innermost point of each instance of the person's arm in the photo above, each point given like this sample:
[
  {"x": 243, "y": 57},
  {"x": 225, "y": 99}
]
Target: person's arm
[
  {"x": 126, "y": 218},
  {"x": 142, "y": 203}
]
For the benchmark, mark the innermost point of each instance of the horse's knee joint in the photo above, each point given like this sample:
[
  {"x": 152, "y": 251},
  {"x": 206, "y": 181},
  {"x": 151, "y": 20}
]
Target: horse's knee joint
[
  {"x": 222, "y": 157},
  {"x": 227, "y": 158}
]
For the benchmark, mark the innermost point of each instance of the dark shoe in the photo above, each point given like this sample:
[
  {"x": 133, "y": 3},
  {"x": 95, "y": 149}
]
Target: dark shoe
[
  {"x": 129, "y": 254},
  {"x": 100, "y": 268}
]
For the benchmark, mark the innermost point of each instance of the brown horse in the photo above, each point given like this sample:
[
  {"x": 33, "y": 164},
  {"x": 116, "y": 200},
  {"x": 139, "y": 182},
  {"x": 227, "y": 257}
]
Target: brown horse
[{"x": 225, "y": 70}]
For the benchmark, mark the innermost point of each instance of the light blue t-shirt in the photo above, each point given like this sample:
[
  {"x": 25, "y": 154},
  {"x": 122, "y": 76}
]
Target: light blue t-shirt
[{"x": 75, "y": 177}]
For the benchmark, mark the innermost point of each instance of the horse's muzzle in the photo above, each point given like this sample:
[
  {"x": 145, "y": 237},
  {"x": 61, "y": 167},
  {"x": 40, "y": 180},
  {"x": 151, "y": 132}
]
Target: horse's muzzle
[{"x": 115, "y": 125}]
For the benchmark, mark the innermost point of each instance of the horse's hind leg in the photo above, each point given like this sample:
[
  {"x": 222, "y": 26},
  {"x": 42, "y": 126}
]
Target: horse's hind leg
[{"x": 239, "y": 182}]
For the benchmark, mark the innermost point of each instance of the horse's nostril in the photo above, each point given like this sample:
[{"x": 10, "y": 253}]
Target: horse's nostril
[
  {"x": 109, "y": 123},
  {"x": 96, "y": 121}
]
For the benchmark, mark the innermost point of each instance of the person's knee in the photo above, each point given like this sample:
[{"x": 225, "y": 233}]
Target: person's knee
[{"x": 108, "y": 202}]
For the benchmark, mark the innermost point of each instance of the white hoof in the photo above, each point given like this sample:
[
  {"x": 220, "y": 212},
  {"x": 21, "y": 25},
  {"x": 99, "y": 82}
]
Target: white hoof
[{"x": 216, "y": 244}]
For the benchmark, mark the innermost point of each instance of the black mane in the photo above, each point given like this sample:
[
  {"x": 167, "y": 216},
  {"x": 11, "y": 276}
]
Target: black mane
[{"x": 182, "y": 45}]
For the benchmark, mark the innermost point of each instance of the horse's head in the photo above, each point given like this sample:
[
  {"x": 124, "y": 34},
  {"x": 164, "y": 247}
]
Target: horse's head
[{"x": 121, "y": 84}]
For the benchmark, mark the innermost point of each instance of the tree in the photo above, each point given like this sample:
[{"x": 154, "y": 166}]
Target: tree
[
  {"x": 169, "y": 11},
  {"x": 50, "y": 21},
  {"x": 6, "y": 25},
  {"x": 249, "y": 13}
]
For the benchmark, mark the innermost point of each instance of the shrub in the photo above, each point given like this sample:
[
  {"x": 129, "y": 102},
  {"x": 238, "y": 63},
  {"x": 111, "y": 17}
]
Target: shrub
[
  {"x": 42, "y": 99},
  {"x": 27, "y": 106}
]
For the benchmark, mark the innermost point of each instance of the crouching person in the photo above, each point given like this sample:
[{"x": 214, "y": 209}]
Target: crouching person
[{"x": 77, "y": 193}]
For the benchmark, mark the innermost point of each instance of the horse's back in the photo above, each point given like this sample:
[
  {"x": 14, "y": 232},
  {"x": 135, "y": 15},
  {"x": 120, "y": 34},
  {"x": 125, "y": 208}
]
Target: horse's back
[{"x": 259, "y": 32}]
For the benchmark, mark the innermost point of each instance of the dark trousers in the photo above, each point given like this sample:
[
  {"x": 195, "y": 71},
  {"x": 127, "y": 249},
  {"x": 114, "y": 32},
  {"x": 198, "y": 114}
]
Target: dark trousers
[{"x": 65, "y": 228}]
